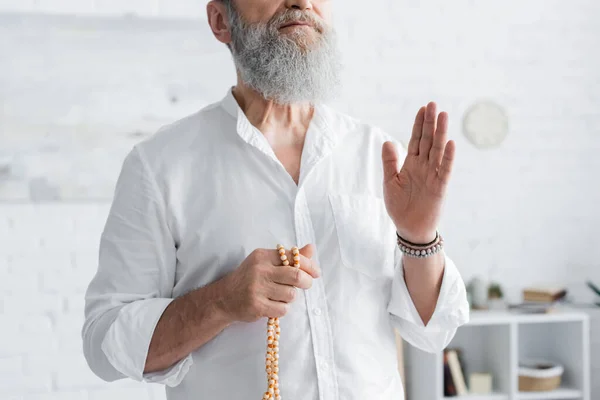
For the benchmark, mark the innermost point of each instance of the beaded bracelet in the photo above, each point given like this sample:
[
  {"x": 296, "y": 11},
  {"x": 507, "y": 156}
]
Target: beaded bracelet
[{"x": 420, "y": 250}]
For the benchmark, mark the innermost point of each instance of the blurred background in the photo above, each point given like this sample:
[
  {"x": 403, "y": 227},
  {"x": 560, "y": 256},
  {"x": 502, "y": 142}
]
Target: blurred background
[{"x": 81, "y": 81}]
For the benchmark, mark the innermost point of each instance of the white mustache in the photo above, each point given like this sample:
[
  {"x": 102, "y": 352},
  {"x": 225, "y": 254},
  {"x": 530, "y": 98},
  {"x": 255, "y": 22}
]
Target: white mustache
[{"x": 297, "y": 16}]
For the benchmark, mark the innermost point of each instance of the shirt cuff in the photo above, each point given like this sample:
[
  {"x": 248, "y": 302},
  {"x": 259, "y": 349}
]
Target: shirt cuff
[
  {"x": 171, "y": 376},
  {"x": 128, "y": 339},
  {"x": 452, "y": 308}
]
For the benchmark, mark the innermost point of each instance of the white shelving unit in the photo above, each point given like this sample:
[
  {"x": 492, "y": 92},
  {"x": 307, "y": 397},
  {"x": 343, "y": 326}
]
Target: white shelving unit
[{"x": 495, "y": 341}]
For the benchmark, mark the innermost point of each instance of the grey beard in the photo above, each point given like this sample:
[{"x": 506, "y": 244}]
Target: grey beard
[{"x": 286, "y": 68}]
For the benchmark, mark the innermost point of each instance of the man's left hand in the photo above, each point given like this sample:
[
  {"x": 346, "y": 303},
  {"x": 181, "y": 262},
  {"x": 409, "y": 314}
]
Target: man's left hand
[{"x": 415, "y": 194}]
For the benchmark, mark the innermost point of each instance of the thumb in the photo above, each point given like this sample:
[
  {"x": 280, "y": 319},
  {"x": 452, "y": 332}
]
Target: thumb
[
  {"x": 308, "y": 251},
  {"x": 389, "y": 157}
]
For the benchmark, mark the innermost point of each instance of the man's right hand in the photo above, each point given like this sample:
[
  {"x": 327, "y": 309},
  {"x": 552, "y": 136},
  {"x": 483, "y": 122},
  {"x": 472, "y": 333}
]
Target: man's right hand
[{"x": 263, "y": 287}]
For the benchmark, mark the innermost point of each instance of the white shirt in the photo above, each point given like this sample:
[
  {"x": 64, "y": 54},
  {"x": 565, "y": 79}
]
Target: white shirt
[{"x": 195, "y": 199}]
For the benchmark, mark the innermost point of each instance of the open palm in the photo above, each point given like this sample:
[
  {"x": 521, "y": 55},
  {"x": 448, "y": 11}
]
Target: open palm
[{"x": 414, "y": 195}]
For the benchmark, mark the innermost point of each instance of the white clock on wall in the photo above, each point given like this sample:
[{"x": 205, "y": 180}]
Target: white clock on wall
[{"x": 485, "y": 124}]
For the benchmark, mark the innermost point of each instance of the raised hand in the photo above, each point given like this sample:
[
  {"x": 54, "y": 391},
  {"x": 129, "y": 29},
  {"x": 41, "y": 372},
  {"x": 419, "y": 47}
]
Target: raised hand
[{"x": 414, "y": 195}]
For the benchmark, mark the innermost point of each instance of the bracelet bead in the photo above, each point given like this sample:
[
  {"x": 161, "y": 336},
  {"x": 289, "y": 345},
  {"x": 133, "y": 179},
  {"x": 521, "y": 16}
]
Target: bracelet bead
[{"x": 415, "y": 250}]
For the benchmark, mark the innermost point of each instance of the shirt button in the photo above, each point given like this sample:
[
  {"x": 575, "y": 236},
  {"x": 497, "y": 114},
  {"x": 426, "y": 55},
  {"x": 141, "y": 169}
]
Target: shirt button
[
  {"x": 317, "y": 311},
  {"x": 324, "y": 366}
]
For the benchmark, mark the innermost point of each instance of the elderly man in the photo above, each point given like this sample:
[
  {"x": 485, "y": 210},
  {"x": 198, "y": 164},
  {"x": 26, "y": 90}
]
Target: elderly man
[{"x": 189, "y": 273}]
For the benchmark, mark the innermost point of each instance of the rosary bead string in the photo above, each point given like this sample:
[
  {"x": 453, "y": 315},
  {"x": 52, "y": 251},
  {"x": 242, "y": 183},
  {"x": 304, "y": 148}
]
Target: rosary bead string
[{"x": 273, "y": 333}]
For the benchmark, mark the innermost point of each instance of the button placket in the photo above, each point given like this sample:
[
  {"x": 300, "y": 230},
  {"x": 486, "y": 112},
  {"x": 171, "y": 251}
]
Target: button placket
[{"x": 321, "y": 333}]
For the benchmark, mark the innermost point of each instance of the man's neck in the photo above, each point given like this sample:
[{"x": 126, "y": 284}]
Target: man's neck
[{"x": 281, "y": 124}]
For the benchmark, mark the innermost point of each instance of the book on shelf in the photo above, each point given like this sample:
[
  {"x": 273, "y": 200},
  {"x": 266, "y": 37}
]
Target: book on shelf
[
  {"x": 454, "y": 373},
  {"x": 543, "y": 294},
  {"x": 449, "y": 388}
]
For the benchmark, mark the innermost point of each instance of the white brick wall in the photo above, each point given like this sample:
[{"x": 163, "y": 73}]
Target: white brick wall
[
  {"x": 41, "y": 304},
  {"x": 522, "y": 214},
  {"x": 143, "y": 8}
]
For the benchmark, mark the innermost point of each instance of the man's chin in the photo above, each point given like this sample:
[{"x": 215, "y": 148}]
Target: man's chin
[{"x": 303, "y": 38}]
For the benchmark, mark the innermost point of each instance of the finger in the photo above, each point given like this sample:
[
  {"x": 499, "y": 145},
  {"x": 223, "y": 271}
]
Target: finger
[
  {"x": 439, "y": 140},
  {"x": 307, "y": 264},
  {"x": 277, "y": 260},
  {"x": 283, "y": 293},
  {"x": 428, "y": 130},
  {"x": 275, "y": 309},
  {"x": 417, "y": 132},
  {"x": 389, "y": 157},
  {"x": 292, "y": 277},
  {"x": 445, "y": 170}
]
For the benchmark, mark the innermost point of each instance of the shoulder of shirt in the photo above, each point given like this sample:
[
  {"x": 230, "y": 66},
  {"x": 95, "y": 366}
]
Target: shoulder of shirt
[
  {"x": 177, "y": 138},
  {"x": 352, "y": 126}
]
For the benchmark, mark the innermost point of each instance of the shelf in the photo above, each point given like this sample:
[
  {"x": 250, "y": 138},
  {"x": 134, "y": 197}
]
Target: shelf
[
  {"x": 491, "y": 396},
  {"x": 484, "y": 317},
  {"x": 558, "y": 394},
  {"x": 495, "y": 342}
]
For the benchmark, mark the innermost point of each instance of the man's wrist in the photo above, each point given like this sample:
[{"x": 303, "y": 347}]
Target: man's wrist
[
  {"x": 216, "y": 294},
  {"x": 417, "y": 238}
]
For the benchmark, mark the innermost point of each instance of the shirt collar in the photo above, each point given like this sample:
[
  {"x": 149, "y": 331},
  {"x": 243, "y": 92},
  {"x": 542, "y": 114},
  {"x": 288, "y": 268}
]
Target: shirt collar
[
  {"x": 249, "y": 133},
  {"x": 230, "y": 104},
  {"x": 322, "y": 135},
  {"x": 323, "y": 118}
]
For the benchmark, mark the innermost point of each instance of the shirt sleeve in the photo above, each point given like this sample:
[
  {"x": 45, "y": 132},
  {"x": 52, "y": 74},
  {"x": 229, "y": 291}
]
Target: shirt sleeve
[
  {"x": 134, "y": 281},
  {"x": 451, "y": 311}
]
